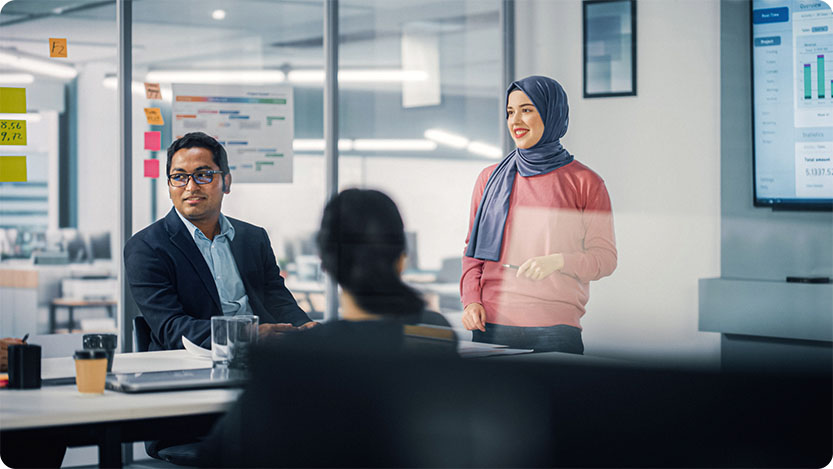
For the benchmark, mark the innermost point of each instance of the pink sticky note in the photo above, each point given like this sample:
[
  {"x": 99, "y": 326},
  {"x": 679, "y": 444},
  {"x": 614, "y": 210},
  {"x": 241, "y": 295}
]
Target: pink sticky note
[
  {"x": 153, "y": 141},
  {"x": 151, "y": 168}
]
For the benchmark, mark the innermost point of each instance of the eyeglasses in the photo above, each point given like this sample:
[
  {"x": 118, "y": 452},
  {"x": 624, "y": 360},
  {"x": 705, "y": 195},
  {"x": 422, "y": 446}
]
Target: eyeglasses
[{"x": 200, "y": 177}]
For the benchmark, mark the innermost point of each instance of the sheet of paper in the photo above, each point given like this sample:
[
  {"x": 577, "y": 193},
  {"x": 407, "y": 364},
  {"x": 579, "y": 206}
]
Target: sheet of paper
[
  {"x": 483, "y": 352},
  {"x": 253, "y": 122},
  {"x": 151, "y": 168},
  {"x": 154, "y": 116},
  {"x": 13, "y": 169},
  {"x": 12, "y": 132},
  {"x": 152, "y": 91},
  {"x": 153, "y": 141},
  {"x": 63, "y": 367},
  {"x": 195, "y": 349},
  {"x": 57, "y": 47},
  {"x": 12, "y": 100}
]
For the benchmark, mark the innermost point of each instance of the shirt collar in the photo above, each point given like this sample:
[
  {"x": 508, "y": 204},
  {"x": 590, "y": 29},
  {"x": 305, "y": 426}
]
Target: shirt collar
[{"x": 226, "y": 228}]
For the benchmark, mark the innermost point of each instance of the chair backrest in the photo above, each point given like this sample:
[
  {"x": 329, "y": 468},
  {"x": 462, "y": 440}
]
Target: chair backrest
[{"x": 141, "y": 334}]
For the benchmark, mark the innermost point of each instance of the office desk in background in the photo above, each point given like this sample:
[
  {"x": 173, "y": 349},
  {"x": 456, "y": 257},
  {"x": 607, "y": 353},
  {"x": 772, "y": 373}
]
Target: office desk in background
[{"x": 61, "y": 413}]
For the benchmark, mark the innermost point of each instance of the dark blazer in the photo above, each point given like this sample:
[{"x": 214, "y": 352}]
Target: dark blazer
[{"x": 176, "y": 293}]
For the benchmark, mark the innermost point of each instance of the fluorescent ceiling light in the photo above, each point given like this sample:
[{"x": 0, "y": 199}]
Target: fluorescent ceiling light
[
  {"x": 112, "y": 82},
  {"x": 366, "y": 144},
  {"x": 216, "y": 76},
  {"x": 380, "y": 144},
  {"x": 317, "y": 144},
  {"x": 218, "y": 14},
  {"x": 359, "y": 76},
  {"x": 484, "y": 149},
  {"x": 446, "y": 138},
  {"x": 16, "y": 78},
  {"x": 28, "y": 117},
  {"x": 356, "y": 76},
  {"x": 30, "y": 63}
]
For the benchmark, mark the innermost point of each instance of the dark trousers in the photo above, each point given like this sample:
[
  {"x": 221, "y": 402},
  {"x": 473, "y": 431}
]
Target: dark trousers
[{"x": 560, "y": 338}]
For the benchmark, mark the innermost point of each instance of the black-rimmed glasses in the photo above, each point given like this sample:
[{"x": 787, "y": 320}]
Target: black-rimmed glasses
[{"x": 200, "y": 177}]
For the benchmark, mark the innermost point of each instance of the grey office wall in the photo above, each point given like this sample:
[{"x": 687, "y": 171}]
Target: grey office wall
[{"x": 756, "y": 242}]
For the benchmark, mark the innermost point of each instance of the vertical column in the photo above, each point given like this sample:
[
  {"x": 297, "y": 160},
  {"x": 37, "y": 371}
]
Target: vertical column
[
  {"x": 124, "y": 13},
  {"x": 808, "y": 92},
  {"x": 507, "y": 22},
  {"x": 108, "y": 448},
  {"x": 331, "y": 130},
  {"x": 820, "y": 75}
]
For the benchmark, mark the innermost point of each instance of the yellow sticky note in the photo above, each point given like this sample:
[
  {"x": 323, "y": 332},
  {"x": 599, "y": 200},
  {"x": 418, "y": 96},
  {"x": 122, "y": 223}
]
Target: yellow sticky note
[
  {"x": 12, "y": 132},
  {"x": 57, "y": 47},
  {"x": 13, "y": 169},
  {"x": 154, "y": 116},
  {"x": 12, "y": 100}
]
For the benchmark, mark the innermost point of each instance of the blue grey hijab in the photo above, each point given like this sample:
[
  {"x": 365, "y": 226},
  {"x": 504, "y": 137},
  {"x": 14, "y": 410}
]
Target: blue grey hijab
[{"x": 545, "y": 156}]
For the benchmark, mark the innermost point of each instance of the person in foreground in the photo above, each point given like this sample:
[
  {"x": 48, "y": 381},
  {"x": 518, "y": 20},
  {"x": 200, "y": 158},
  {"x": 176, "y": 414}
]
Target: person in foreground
[
  {"x": 540, "y": 230},
  {"x": 197, "y": 263},
  {"x": 357, "y": 392},
  {"x": 362, "y": 245}
]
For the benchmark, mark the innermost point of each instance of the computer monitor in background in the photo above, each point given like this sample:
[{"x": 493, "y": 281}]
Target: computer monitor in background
[
  {"x": 100, "y": 245},
  {"x": 75, "y": 246}
]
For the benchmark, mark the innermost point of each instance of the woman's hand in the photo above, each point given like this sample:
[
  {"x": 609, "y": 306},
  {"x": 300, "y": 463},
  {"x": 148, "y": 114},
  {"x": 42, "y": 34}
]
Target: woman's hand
[
  {"x": 474, "y": 317},
  {"x": 539, "y": 268}
]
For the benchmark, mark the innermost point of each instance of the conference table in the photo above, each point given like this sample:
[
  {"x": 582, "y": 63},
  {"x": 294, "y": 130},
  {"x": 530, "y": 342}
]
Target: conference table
[{"x": 61, "y": 413}]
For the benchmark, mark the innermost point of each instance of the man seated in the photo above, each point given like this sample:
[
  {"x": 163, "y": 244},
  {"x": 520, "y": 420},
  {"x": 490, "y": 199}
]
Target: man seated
[{"x": 197, "y": 263}]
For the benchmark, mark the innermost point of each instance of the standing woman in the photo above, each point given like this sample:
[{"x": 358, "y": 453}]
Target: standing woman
[{"x": 540, "y": 230}]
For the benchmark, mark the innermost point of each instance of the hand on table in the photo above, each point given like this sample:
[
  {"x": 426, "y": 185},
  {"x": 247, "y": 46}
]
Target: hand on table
[
  {"x": 539, "y": 268},
  {"x": 266, "y": 331},
  {"x": 307, "y": 325},
  {"x": 474, "y": 317}
]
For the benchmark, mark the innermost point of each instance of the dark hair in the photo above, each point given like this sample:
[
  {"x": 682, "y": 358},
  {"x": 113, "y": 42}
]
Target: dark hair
[
  {"x": 201, "y": 140},
  {"x": 360, "y": 240}
]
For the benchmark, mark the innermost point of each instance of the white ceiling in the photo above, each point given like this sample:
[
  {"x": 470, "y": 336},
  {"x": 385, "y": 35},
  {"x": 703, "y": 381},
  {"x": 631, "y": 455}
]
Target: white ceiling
[{"x": 264, "y": 34}]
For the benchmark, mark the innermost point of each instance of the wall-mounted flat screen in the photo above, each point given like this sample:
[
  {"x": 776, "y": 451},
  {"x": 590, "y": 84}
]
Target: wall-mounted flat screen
[{"x": 792, "y": 74}]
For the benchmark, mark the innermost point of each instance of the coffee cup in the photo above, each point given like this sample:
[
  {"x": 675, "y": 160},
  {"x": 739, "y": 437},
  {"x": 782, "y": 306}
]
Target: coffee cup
[{"x": 90, "y": 370}]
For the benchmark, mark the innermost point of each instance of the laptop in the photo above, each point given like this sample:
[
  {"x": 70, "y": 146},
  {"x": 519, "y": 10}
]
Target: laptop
[{"x": 175, "y": 380}]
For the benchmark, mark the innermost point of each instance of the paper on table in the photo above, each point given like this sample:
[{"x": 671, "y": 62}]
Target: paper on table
[
  {"x": 195, "y": 349},
  {"x": 469, "y": 349}
]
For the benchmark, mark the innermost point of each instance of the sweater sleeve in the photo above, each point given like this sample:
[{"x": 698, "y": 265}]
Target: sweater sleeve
[
  {"x": 472, "y": 268},
  {"x": 599, "y": 257}
]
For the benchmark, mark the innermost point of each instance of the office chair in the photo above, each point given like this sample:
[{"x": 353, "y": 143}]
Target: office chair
[
  {"x": 180, "y": 454},
  {"x": 141, "y": 334}
]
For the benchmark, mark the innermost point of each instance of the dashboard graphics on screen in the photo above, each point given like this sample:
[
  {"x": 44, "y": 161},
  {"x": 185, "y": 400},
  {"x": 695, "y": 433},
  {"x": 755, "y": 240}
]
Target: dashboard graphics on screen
[{"x": 792, "y": 71}]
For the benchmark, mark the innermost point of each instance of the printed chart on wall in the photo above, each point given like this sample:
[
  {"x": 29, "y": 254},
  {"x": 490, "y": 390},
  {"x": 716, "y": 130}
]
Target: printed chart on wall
[
  {"x": 793, "y": 90},
  {"x": 254, "y": 124}
]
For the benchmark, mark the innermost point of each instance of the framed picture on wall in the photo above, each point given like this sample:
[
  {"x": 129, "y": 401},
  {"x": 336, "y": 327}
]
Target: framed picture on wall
[{"x": 609, "y": 48}]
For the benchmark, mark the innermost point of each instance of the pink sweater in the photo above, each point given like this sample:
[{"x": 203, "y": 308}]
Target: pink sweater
[{"x": 565, "y": 211}]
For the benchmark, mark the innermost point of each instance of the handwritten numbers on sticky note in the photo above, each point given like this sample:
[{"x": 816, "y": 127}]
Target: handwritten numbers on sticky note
[
  {"x": 57, "y": 47},
  {"x": 12, "y": 100},
  {"x": 12, "y": 132},
  {"x": 154, "y": 116},
  {"x": 152, "y": 91},
  {"x": 13, "y": 169}
]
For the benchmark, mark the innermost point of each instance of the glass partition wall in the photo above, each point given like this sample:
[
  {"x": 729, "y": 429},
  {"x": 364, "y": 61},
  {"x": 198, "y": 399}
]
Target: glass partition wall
[
  {"x": 425, "y": 125},
  {"x": 219, "y": 66},
  {"x": 419, "y": 95},
  {"x": 59, "y": 199}
]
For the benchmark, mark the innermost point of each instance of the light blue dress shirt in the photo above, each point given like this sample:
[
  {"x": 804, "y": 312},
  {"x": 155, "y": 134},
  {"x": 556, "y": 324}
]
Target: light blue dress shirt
[{"x": 218, "y": 256}]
